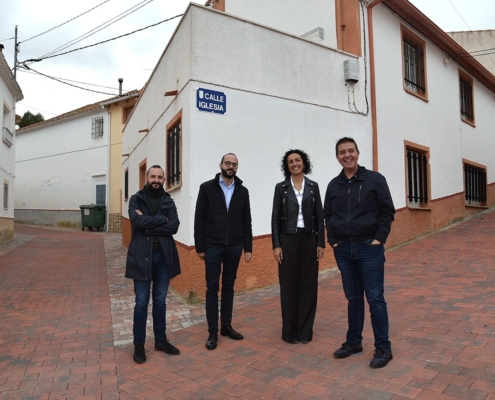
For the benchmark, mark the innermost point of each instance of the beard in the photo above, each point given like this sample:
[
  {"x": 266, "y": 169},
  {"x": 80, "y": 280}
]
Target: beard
[
  {"x": 154, "y": 188},
  {"x": 226, "y": 173}
]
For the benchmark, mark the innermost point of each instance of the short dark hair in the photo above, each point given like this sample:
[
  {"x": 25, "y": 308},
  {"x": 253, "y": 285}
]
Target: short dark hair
[
  {"x": 155, "y": 166},
  {"x": 227, "y": 155},
  {"x": 284, "y": 166},
  {"x": 344, "y": 140}
]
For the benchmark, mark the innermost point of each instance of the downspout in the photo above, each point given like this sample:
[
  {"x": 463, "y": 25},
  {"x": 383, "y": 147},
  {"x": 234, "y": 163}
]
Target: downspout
[{"x": 374, "y": 124}]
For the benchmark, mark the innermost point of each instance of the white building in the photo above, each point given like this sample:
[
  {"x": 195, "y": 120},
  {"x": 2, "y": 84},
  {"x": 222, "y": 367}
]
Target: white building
[
  {"x": 10, "y": 93},
  {"x": 257, "y": 79},
  {"x": 68, "y": 161}
]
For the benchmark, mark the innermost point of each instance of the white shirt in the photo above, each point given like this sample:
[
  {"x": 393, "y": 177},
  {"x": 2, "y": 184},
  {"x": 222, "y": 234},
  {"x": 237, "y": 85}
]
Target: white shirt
[{"x": 299, "y": 196}]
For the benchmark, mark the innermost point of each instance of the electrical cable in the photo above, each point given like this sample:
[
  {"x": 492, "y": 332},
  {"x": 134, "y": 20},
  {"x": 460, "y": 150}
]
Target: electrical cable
[
  {"x": 4, "y": 40},
  {"x": 70, "y": 84},
  {"x": 37, "y": 109},
  {"x": 70, "y": 80},
  {"x": 66, "y": 22},
  {"x": 104, "y": 25},
  {"x": 96, "y": 44}
]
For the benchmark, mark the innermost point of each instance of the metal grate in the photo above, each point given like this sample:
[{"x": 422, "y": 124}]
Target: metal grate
[
  {"x": 474, "y": 185},
  {"x": 5, "y": 195},
  {"x": 126, "y": 185},
  {"x": 174, "y": 156},
  {"x": 417, "y": 178},
  {"x": 414, "y": 66},
  {"x": 466, "y": 100},
  {"x": 101, "y": 193},
  {"x": 97, "y": 128}
]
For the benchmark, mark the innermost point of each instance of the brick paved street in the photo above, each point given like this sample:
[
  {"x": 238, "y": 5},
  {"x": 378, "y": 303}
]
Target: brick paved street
[{"x": 65, "y": 328}]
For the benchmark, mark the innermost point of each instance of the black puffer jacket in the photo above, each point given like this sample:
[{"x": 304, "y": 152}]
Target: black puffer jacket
[
  {"x": 213, "y": 224},
  {"x": 359, "y": 208},
  {"x": 286, "y": 210},
  {"x": 164, "y": 223}
]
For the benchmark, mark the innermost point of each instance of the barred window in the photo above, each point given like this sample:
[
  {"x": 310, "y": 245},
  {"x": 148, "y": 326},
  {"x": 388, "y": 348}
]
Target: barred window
[
  {"x": 414, "y": 63},
  {"x": 474, "y": 185},
  {"x": 417, "y": 178},
  {"x": 97, "y": 128},
  {"x": 126, "y": 184},
  {"x": 466, "y": 98},
  {"x": 174, "y": 154},
  {"x": 5, "y": 195}
]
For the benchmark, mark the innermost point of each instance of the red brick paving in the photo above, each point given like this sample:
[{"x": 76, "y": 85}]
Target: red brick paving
[{"x": 56, "y": 337}]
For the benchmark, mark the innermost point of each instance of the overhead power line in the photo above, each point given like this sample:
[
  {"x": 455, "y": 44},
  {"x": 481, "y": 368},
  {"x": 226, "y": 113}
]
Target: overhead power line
[
  {"x": 96, "y": 44},
  {"x": 95, "y": 30},
  {"x": 70, "y": 80},
  {"x": 70, "y": 84},
  {"x": 4, "y": 40},
  {"x": 66, "y": 22}
]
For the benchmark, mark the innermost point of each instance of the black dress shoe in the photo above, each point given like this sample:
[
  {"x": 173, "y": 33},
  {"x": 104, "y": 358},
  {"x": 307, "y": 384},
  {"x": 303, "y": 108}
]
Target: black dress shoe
[
  {"x": 167, "y": 347},
  {"x": 291, "y": 341},
  {"x": 229, "y": 331},
  {"x": 211, "y": 343},
  {"x": 348, "y": 349},
  {"x": 139, "y": 354},
  {"x": 381, "y": 357}
]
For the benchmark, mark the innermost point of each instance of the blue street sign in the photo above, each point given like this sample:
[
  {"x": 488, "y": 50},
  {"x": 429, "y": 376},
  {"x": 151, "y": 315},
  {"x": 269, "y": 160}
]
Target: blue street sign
[{"x": 211, "y": 101}]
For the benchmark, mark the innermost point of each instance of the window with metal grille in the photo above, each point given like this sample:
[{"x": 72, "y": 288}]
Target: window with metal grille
[
  {"x": 174, "y": 155},
  {"x": 5, "y": 196},
  {"x": 417, "y": 178},
  {"x": 414, "y": 63},
  {"x": 126, "y": 184},
  {"x": 101, "y": 194},
  {"x": 466, "y": 93},
  {"x": 97, "y": 128},
  {"x": 474, "y": 185}
]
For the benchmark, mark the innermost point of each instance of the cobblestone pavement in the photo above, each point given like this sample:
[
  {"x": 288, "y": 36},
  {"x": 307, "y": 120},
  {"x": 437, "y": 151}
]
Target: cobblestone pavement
[{"x": 65, "y": 328}]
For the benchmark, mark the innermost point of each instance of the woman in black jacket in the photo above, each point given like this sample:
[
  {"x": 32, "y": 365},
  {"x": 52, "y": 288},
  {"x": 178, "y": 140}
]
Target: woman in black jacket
[{"x": 298, "y": 244}]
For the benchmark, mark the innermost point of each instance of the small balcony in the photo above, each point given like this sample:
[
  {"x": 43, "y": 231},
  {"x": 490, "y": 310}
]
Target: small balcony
[{"x": 7, "y": 137}]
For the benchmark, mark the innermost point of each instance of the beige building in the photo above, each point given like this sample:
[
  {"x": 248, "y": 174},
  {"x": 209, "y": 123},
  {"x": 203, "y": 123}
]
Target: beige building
[{"x": 480, "y": 44}]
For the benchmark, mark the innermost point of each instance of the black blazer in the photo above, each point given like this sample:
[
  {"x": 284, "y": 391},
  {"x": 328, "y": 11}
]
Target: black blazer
[{"x": 286, "y": 209}]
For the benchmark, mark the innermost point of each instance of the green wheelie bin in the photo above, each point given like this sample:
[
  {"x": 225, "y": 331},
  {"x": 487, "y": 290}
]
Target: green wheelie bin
[{"x": 93, "y": 216}]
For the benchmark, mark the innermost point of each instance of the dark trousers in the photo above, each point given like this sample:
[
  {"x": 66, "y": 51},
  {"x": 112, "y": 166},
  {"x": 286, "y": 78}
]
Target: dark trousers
[
  {"x": 362, "y": 266},
  {"x": 142, "y": 289},
  {"x": 217, "y": 256},
  {"x": 298, "y": 277}
]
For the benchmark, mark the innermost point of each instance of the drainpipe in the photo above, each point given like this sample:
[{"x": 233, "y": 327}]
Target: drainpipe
[{"x": 373, "y": 84}]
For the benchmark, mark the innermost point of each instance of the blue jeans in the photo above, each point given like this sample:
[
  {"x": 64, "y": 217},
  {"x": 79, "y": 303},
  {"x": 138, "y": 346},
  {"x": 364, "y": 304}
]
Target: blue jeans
[
  {"x": 362, "y": 268},
  {"x": 142, "y": 289},
  {"x": 215, "y": 256}
]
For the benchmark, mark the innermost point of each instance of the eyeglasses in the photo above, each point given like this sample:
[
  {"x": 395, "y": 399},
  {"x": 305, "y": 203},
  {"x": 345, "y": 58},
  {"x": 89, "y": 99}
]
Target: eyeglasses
[{"x": 231, "y": 164}]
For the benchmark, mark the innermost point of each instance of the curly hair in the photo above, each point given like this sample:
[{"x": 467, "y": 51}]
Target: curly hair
[{"x": 284, "y": 166}]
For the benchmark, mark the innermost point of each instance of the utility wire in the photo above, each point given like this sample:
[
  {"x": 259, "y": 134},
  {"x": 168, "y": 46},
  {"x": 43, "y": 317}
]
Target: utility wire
[
  {"x": 66, "y": 22},
  {"x": 70, "y": 84},
  {"x": 96, "y": 44},
  {"x": 88, "y": 34},
  {"x": 70, "y": 80},
  {"x": 37, "y": 109},
  {"x": 471, "y": 30},
  {"x": 4, "y": 40}
]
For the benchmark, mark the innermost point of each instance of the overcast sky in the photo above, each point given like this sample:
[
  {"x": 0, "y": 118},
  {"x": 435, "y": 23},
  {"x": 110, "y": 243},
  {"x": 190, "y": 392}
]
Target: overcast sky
[{"x": 133, "y": 57}]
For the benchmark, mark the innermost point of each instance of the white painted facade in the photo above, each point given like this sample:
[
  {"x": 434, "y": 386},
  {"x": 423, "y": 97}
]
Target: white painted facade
[
  {"x": 10, "y": 93},
  {"x": 282, "y": 92},
  {"x": 435, "y": 123},
  {"x": 58, "y": 166}
]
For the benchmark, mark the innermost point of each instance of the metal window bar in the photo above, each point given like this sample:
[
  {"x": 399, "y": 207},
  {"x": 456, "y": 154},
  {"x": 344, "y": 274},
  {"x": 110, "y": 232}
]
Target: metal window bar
[
  {"x": 466, "y": 100},
  {"x": 126, "y": 185},
  {"x": 6, "y": 195},
  {"x": 97, "y": 128},
  {"x": 414, "y": 66},
  {"x": 417, "y": 177},
  {"x": 174, "y": 146},
  {"x": 475, "y": 185}
]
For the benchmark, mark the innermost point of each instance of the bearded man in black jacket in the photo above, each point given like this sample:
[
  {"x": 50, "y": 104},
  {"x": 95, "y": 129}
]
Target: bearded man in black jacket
[
  {"x": 222, "y": 230},
  {"x": 152, "y": 258}
]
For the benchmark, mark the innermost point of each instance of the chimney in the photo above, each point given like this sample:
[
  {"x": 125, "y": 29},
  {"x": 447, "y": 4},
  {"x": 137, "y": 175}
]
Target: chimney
[{"x": 120, "y": 86}]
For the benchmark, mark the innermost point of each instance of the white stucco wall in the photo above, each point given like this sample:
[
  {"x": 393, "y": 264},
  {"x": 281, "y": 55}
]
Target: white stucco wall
[
  {"x": 292, "y": 16},
  {"x": 436, "y": 124},
  {"x": 7, "y": 154},
  {"x": 56, "y": 164},
  {"x": 282, "y": 93}
]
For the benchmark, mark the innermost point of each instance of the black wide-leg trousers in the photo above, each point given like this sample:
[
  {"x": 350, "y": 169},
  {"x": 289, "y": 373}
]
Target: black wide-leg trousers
[{"x": 298, "y": 277}]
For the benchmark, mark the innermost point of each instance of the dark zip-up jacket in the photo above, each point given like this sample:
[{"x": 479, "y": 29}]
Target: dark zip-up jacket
[
  {"x": 163, "y": 224},
  {"x": 213, "y": 224},
  {"x": 285, "y": 211},
  {"x": 358, "y": 209}
]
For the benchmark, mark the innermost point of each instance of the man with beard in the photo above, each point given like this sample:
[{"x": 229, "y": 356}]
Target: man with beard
[
  {"x": 152, "y": 258},
  {"x": 222, "y": 230}
]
